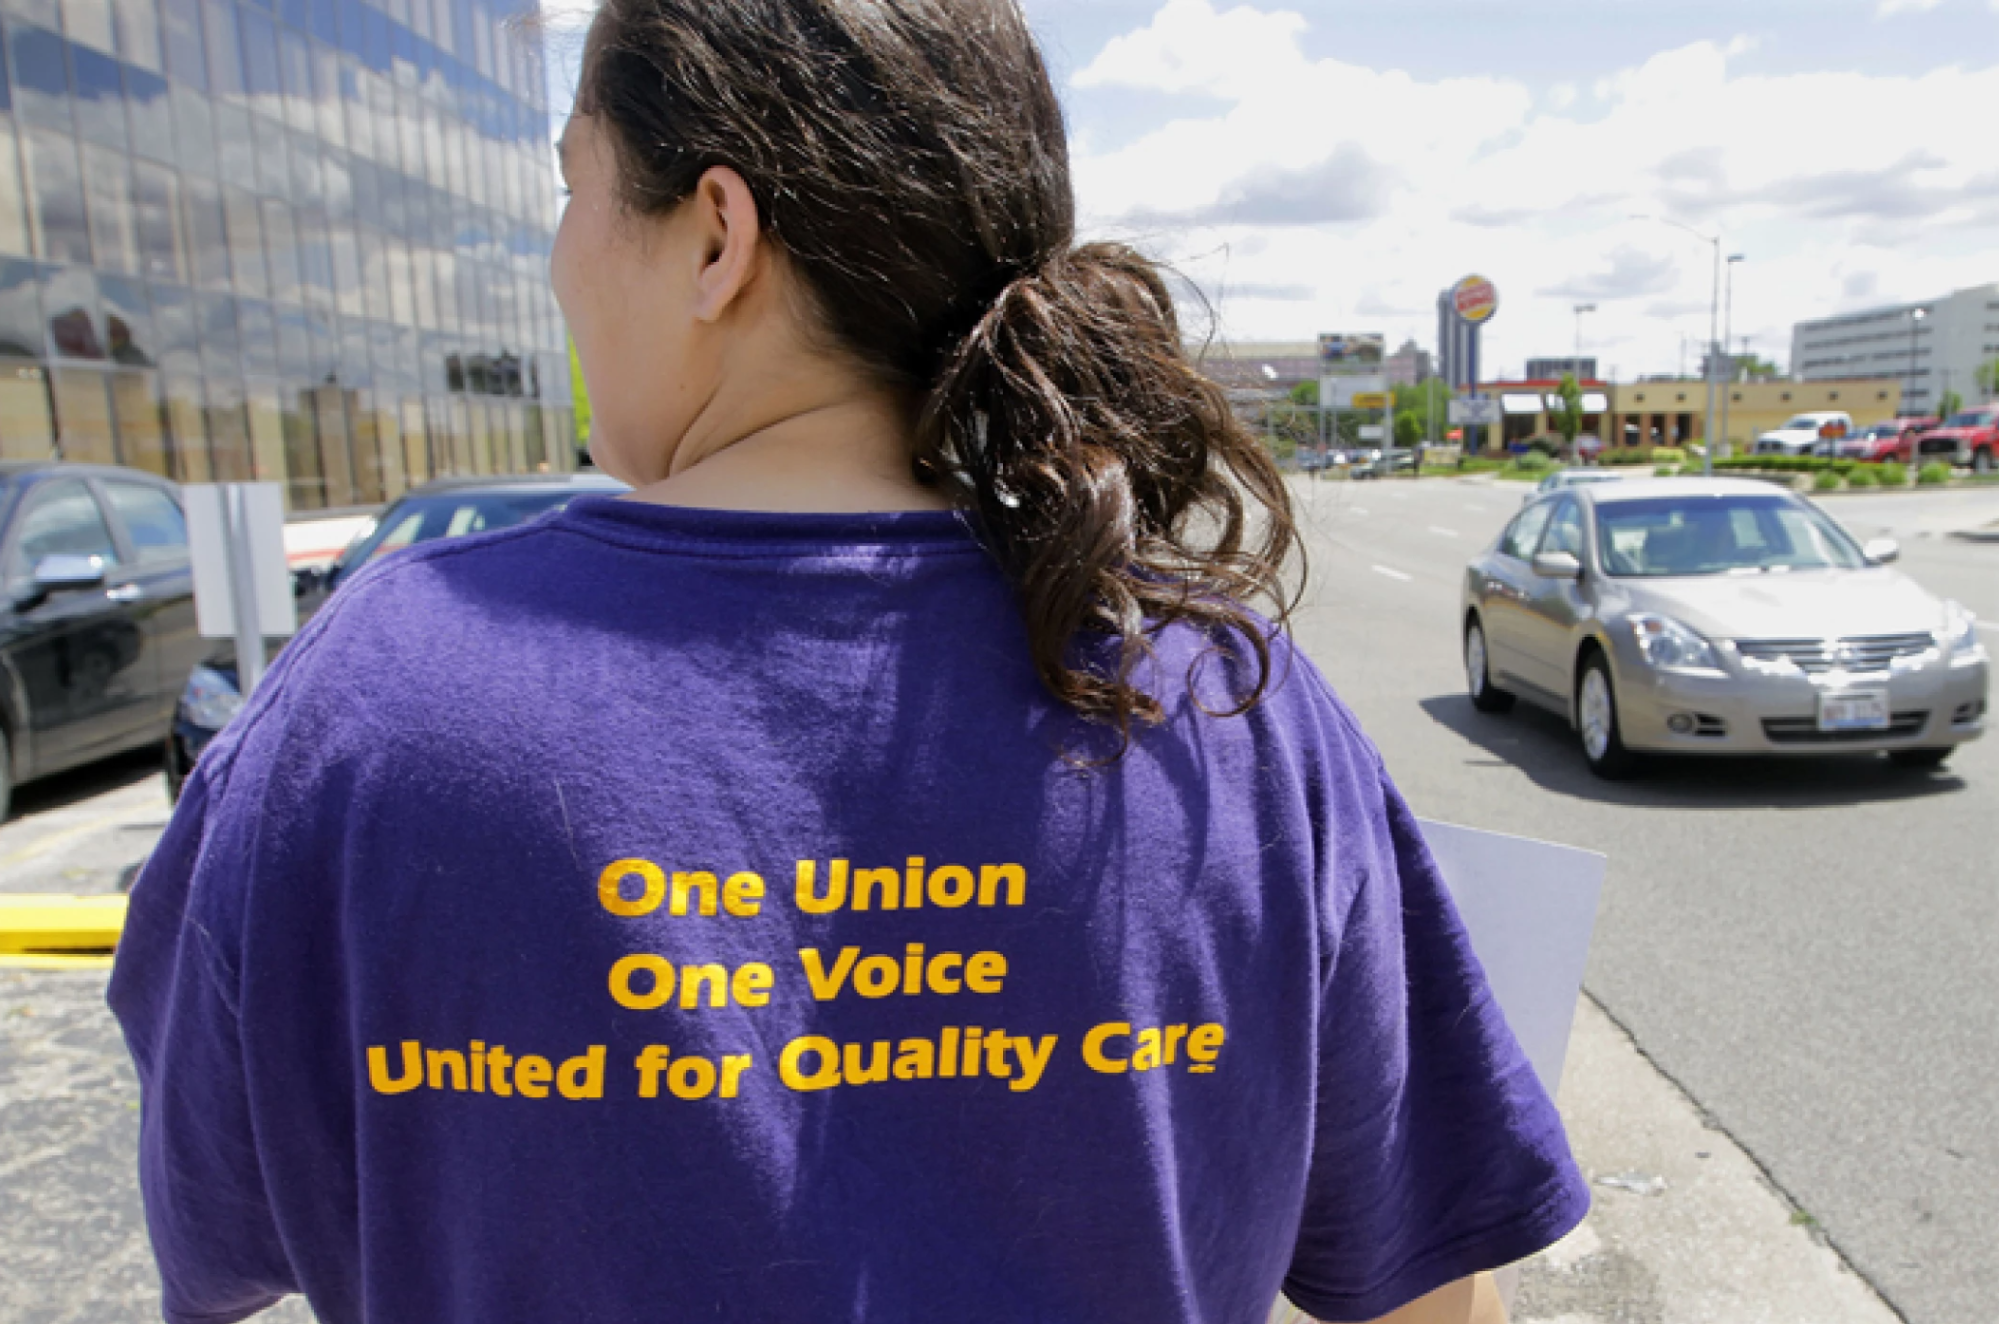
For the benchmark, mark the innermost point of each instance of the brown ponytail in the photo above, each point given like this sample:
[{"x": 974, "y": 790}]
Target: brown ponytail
[{"x": 909, "y": 157}]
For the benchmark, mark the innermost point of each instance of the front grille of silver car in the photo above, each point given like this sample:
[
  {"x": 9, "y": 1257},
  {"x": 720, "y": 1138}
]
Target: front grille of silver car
[
  {"x": 1815, "y": 656},
  {"x": 1805, "y": 730}
]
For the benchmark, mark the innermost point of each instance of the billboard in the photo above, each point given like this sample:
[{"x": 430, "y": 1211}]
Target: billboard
[
  {"x": 1359, "y": 350},
  {"x": 1475, "y": 299}
]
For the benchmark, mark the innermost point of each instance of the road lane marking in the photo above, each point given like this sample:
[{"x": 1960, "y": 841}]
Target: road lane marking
[
  {"x": 1443, "y": 532},
  {"x": 1473, "y": 505},
  {"x": 1393, "y": 574}
]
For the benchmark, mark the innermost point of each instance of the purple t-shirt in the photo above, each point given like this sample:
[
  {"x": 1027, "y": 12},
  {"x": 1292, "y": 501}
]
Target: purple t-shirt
[{"x": 651, "y": 914}]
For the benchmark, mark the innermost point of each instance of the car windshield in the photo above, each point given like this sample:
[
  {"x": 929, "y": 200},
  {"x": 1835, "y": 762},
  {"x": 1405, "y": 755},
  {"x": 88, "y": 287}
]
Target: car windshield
[
  {"x": 1880, "y": 430},
  {"x": 1802, "y": 421},
  {"x": 451, "y": 515},
  {"x": 1701, "y": 535},
  {"x": 1971, "y": 418}
]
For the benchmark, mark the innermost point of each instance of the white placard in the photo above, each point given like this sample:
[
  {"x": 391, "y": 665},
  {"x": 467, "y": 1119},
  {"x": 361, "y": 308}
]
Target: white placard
[
  {"x": 1338, "y": 392},
  {"x": 1529, "y": 907},
  {"x": 1477, "y": 409},
  {"x": 1372, "y": 432},
  {"x": 209, "y": 547}
]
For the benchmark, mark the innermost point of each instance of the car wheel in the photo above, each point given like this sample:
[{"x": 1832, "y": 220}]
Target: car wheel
[
  {"x": 1478, "y": 673},
  {"x": 1596, "y": 723},
  {"x": 1920, "y": 758}
]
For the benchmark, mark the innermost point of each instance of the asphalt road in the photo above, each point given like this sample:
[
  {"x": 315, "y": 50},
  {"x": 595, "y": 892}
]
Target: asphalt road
[{"x": 1810, "y": 949}]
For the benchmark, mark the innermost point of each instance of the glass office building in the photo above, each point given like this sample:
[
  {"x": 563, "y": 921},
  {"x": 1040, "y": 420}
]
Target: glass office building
[{"x": 303, "y": 241}]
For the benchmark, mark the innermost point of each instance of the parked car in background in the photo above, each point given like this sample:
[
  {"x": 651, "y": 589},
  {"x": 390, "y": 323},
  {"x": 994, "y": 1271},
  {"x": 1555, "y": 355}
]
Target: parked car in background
[
  {"x": 1588, "y": 448},
  {"x": 1804, "y": 434},
  {"x": 448, "y": 508},
  {"x": 1716, "y": 616},
  {"x": 1880, "y": 443},
  {"x": 97, "y": 617},
  {"x": 1563, "y": 478},
  {"x": 1968, "y": 439}
]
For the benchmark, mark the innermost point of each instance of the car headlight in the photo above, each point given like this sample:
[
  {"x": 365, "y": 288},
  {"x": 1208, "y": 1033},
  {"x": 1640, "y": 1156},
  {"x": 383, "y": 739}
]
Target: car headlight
[
  {"x": 1959, "y": 635},
  {"x": 210, "y": 699},
  {"x": 1671, "y": 646}
]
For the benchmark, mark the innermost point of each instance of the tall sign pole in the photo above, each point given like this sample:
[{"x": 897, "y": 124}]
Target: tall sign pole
[{"x": 1474, "y": 300}]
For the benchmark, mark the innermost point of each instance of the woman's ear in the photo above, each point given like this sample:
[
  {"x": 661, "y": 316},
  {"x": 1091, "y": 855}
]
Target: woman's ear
[{"x": 730, "y": 233}]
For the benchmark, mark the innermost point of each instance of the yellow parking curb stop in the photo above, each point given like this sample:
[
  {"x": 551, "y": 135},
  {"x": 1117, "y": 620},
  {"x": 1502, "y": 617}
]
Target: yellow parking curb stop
[{"x": 39, "y": 931}]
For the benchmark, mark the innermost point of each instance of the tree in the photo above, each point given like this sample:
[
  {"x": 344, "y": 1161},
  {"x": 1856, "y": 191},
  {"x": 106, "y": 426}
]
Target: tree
[
  {"x": 1568, "y": 419},
  {"x": 1408, "y": 429},
  {"x": 580, "y": 396},
  {"x": 1988, "y": 378},
  {"x": 1305, "y": 394},
  {"x": 1951, "y": 403}
]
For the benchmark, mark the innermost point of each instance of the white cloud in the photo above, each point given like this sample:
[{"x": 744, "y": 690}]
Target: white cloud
[
  {"x": 1889, "y": 8},
  {"x": 568, "y": 15},
  {"x": 1375, "y": 189}
]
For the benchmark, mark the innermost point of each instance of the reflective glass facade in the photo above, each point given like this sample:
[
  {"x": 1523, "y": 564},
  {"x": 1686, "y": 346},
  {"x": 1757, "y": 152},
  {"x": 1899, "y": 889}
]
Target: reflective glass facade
[{"x": 303, "y": 241}]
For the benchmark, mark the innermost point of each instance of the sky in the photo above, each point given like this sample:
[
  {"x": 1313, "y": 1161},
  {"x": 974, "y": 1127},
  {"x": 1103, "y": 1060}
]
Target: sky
[{"x": 1330, "y": 165}]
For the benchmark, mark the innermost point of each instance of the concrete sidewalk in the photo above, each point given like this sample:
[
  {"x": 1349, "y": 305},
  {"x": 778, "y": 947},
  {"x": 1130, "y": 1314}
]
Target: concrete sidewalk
[{"x": 1685, "y": 1229}]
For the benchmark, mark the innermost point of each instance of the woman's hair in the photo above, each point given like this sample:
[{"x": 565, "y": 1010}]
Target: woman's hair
[{"x": 908, "y": 157}]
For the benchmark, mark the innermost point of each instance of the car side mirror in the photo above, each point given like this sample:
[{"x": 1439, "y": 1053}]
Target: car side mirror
[
  {"x": 1558, "y": 565},
  {"x": 1882, "y": 550},
  {"x": 62, "y": 573}
]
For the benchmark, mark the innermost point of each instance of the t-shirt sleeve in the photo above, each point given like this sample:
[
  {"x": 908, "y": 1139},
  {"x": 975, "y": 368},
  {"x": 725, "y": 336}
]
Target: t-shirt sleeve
[
  {"x": 1436, "y": 1152},
  {"x": 213, "y": 1233}
]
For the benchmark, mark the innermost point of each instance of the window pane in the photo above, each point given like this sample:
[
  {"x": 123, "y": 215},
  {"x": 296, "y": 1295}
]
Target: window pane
[
  {"x": 348, "y": 286},
  {"x": 296, "y": 14},
  {"x": 281, "y": 249},
  {"x": 153, "y": 522},
  {"x": 128, "y": 321},
  {"x": 194, "y": 131},
  {"x": 260, "y": 64},
  {"x": 246, "y": 244},
  {"x": 273, "y": 175},
  {"x": 89, "y": 22},
  {"x": 150, "y": 113},
  {"x": 157, "y": 191},
  {"x": 41, "y": 83},
  {"x": 294, "y": 345},
  {"x": 100, "y": 104},
  {"x": 315, "y": 260},
  {"x": 174, "y": 330},
  {"x": 295, "y": 66},
  {"x": 335, "y": 445},
  {"x": 308, "y": 188},
  {"x": 185, "y": 59},
  {"x": 225, "y": 51},
  {"x": 83, "y": 417},
  {"x": 228, "y": 431},
  {"x": 15, "y": 237},
  {"x": 142, "y": 441},
  {"x": 267, "y": 432},
  {"x": 139, "y": 35},
  {"x": 260, "y": 337},
  {"x": 55, "y": 187},
  {"x": 332, "y": 124},
  {"x": 207, "y": 236},
  {"x": 69, "y": 295},
  {"x": 336, "y": 179},
  {"x": 235, "y": 149},
  {"x": 187, "y": 423},
  {"x": 27, "y": 421},
  {"x": 304, "y": 484},
  {"x": 20, "y": 310},
  {"x": 47, "y": 13},
  {"x": 221, "y": 349},
  {"x": 63, "y": 521},
  {"x": 107, "y": 181}
]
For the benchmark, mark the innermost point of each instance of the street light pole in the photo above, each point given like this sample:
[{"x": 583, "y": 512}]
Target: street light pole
[
  {"x": 1728, "y": 334},
  {"x": 1581, "y": 308},
  {"x": 1713, "y": 326}
]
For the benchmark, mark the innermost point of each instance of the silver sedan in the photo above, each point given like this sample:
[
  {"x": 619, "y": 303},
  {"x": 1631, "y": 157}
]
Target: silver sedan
[{"x": 1716, "y": 616}]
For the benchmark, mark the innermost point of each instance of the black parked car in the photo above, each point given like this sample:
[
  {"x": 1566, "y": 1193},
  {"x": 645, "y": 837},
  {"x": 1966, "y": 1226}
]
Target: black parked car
[
  {"x": 447, "y": 508},
  {"x": 96, "y": 615}
]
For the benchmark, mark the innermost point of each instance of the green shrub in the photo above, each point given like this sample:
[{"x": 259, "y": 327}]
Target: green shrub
[
  {"x": 1932, "y": 474},
  {"x": 1664, "y": 470},
  {"x": 1669, "y": 455},
  {"x": 1480, "y": 464},
  {"x": 1533, "y": 462},
  {"x": 1629, "y": 455},
  {"x": 1893, "y": 475},
  {"x": 1827, "y": 481},
  {"x": 1692, "y": 471},
  {"x": 1862, "y": 475}
]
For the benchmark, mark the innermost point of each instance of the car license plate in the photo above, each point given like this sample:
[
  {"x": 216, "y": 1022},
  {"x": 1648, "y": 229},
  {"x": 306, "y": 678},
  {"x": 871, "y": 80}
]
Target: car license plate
[{"x": 1854, "y": 710}]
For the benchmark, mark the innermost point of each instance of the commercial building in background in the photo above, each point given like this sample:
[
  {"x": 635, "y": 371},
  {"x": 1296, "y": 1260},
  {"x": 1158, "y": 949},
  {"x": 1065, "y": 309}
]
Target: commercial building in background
[
  {"x": 1584, "y": 369},
  {"x": 1932, "y": 347},
  {"x": 1408, "y": 366},
  {"x": 1673, "y": 412},
  {"x": 302, "y": 241}
]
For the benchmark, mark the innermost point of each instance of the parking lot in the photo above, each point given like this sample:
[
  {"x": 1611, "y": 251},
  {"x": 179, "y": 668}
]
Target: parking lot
[{"x": 1805, "y": 947}]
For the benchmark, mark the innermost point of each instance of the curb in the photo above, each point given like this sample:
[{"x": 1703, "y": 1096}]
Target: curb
[{"x": 40, "y": 931}]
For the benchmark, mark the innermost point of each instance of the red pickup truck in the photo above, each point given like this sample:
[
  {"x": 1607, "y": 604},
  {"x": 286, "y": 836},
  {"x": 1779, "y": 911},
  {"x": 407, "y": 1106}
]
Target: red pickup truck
[
  {"x": 1969, "y": 439},
  {"x": 1892, "y": 440}
]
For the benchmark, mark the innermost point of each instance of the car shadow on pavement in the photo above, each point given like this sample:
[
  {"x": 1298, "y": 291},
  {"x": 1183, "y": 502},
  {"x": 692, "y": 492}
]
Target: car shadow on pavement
[
  {"x": 1541, "y": 745},
  {"x": 79, "y": 784}
]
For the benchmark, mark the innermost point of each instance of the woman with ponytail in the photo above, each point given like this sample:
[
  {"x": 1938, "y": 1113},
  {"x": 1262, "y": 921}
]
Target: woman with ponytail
[{"x": 892, "y": 865}]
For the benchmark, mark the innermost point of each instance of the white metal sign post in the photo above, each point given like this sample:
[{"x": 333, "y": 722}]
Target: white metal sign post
[{"x": 242, "y": 584}]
